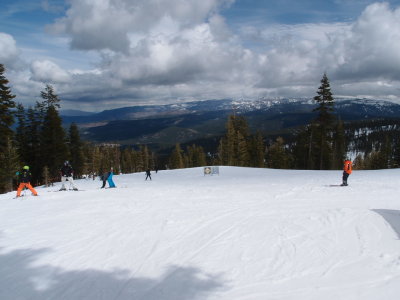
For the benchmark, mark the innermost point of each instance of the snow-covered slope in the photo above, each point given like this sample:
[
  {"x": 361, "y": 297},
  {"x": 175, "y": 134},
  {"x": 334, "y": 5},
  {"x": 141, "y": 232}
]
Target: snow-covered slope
[{"x": 245, "y": 234}]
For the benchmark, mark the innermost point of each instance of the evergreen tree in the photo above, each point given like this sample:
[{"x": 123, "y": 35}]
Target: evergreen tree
[
  {"x": 50, "y": 98},
  {"x": 53, "y": 144},
  {"x": 194, "y": 157},
  {"x": 54, "y": 150},
  {"x": 243, "y": 155},
  {"x": 222, "y": 153},
  {"x": 303, "y": 149},
  {"x": 386, "y": 153},
  {"x": 199, "y": 158},
  {"x": 325, "y": 103},
  {"x": 127, "y": 161},
  {"x": 153, "y": 161},
  {"x": 9, "y": 166},
  {"x": 188, "y": 157},
  {"x": 396, "y": 154},
  {"x": 95, "y": 163},
  {"x": 373, "y": 161},
  {"x": 22, "y": 135},
  {"x": 139, "y": 161},
  {"x": 6, "y": 133},
  {"x": 145, "y": 157},
  {"x": 233, "y": 149},
  {"x": 176, "y": 158},
  {"x": 76, "y": 150},
  {"x": 257, "y": 151},
  {"x": 277, "y": 155},
  {"x": 322, "y": 131},
  {"x": 231, "y": 142},
  {"x": 46, "y": 176},
  {"x": 6, "y": 114},
  {"x": 339, "y": 146},
  {"x": 358, "y": 163},
  {"x": 33, "y": 157}
]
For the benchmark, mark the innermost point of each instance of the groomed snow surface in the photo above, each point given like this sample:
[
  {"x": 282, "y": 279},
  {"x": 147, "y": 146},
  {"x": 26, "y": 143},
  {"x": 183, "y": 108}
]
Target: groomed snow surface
[{"x": 245, "y": 234}]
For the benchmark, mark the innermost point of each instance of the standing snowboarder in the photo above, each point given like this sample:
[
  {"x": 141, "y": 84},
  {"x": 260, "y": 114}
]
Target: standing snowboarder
[
  {"x": 67, "y": 173},
  {"x": 148, "y": 174},
  {"x": 347, "y": 169},
  {"x": 24, "y": 178}
]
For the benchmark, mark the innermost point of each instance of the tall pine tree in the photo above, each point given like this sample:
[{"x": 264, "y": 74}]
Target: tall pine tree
[
  {"x": 50, "y": 98},
  {"x": 34, "y": 125},
  {"x": 76, "y": 150},
  {"x": 176, "y": 158},
  {"x": 6, "y": 133},
  {"x": 339, "y": 146},
  {"x": 278, "y": 157},
  {"x": 234, "y": 147},
  {"x": 322, "y": 131},
  {"x": 21, "y": 135},
  {"x": 54, "y": 150},
  {"x": 9, "y": 165}
]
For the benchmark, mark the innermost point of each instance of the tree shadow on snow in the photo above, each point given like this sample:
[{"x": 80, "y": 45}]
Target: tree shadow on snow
[
  {"x": 22, "y": 279},
  {"x": 392, "y": 217}
]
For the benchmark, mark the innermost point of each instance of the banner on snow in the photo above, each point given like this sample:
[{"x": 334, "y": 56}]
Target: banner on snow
[{"x": 211, "y": 171}]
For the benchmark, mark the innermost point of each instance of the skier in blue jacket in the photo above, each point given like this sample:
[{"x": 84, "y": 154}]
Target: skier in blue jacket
[
  {"x": 110, "y": 180},
  {"x": 107, "y": 177}
]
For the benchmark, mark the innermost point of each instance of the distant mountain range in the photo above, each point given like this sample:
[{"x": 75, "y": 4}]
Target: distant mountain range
[{"x": 164, "y": 125}]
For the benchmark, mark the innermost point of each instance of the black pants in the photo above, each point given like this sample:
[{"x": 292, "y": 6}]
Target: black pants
[
  {"x": 104, "y": 184},
  {"x": 345, "y": 176},
  {"x": 148, "y": 176}
]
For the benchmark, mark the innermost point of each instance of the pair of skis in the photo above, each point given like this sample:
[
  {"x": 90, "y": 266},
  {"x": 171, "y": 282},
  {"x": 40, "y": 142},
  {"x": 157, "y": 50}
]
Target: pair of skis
[{"x": 67, "y": 190}]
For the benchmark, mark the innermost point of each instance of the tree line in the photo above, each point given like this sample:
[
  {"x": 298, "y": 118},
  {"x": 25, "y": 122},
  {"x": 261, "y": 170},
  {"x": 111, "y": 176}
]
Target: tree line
[
  {"x": 34, "y": 136},
  {"x": 323, "y": 144}
]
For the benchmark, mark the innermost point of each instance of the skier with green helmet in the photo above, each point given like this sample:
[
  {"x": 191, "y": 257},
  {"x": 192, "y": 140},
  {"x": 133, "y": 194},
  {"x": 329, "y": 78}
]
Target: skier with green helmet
[{"x": 24, "y": 178}]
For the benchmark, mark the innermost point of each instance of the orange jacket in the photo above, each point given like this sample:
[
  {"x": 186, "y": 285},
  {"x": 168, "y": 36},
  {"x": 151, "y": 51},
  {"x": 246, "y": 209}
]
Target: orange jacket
[{"x": 348, "y": 166}]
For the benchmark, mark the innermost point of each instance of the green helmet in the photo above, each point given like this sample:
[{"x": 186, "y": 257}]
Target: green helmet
[{"x": 26, "y": 167}]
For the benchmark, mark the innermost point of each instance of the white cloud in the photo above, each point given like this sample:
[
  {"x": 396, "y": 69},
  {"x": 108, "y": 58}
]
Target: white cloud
[
  {"x": 371, "y": 49},
  {"x": 9, "y": 53},
  {"x": 367, "y": 50},
  {"x": 48, "y": 72},
  {"x": 106, "y": 24},
  {"x": 183, "y": 49}
]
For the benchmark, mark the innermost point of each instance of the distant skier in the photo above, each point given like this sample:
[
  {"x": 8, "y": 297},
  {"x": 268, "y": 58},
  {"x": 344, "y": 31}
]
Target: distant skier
[
  {"x": 148, "y": 174},
  {"x": 104, "y": 178},
  {"x": 24, "y": 178},
  {"x": 67, "y": 173},
  {"x": 347, "y": 169},
  {"x": 107, "y": 177}
]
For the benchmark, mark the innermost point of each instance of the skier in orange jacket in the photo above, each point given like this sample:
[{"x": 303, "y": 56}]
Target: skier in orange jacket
[
  {"x": 347, "y": 169},
  {"x": 24, "y": 181}
]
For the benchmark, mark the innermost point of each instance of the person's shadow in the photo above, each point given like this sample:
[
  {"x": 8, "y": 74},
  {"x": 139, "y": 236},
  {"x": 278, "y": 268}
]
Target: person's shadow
[{"x": 20, "y": 279}]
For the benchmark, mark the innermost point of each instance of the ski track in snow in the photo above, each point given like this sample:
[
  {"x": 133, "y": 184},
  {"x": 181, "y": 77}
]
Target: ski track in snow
[{"x": 245, "y": 234}]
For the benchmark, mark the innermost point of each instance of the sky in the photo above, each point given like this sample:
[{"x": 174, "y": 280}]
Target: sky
[{"x": 102, "y": 54}]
